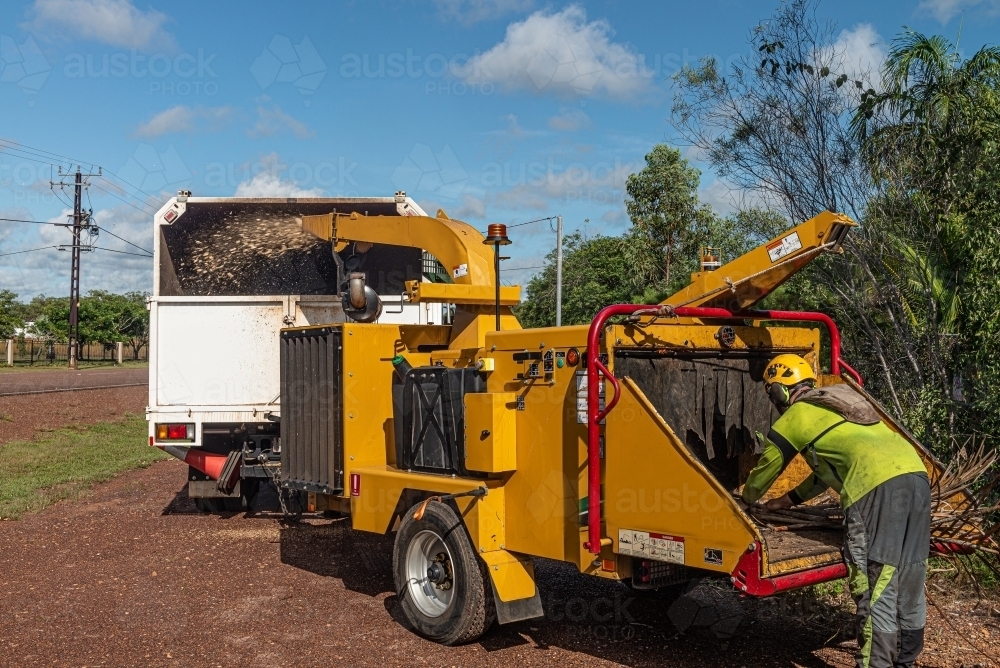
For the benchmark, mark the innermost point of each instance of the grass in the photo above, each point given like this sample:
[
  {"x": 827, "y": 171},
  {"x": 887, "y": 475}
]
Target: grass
[
  {"x": 65, "y": 463},
  {"x": 61, "y": 365}
]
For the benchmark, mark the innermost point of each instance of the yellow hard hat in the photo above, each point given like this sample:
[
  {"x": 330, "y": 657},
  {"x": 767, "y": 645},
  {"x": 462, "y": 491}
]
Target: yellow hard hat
[{"x": 788, "y": 370}]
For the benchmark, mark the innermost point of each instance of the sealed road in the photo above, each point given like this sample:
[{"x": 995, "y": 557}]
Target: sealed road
[
  {"x": 26, "y": 382},
  {"x": 133, "y": 575}
]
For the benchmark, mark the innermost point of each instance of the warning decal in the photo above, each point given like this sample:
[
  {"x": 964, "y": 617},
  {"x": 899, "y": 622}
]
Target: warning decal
[
  {"x": 784, "y": 246},
  {"x": 655, "y": 546}
]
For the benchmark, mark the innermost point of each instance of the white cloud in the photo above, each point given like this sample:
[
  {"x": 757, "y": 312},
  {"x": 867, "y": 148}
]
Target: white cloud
[
  {"x": 114, "y": 22},
  {"x": 570, "y": 121},
  {"x": 474, "y": 11},
  {"x": 272, "y": 120},
  {"x": 945, "y": 10},
  {"x": 614, "y": 217},
  {"x": 723, "y": 199},
  {"x": 561, "y": 54},
  {"x": 181, "y": 119},
  {"x": 47, "y": 271},
  {"x": 471, "y": 207},
  {"x": 861, "y": 52},
  {"x": 268, "y": 183},
  {"x": 540, "y": 185}
]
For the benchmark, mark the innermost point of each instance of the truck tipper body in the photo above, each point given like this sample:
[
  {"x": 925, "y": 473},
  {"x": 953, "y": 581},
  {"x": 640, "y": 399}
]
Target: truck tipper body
[{"x": 229, "y": 274}]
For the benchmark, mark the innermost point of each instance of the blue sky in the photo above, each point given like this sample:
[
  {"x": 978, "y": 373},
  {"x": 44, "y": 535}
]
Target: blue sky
[{"x": 494, "y": 110}]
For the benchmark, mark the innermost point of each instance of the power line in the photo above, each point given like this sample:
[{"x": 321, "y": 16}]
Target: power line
[
  {"x": 125, "y": 192},
  {"x": 38, "y": 151},
  {"x": 130, "y": 185},
  {"x": 31, "y": 153},
  {"x": 41, "y": 222},
  {"x": 33, "y": 222},
  {"x": 537, "y": 220},
  {"x": 125, "y": 240},
  {"x": 116, "y": 188},
  {"x": 24, "y": 157},
  {"x": 30, "y": 250},
  {"x": 148, "y": 213},
  {"x": 112, "y": 250}
]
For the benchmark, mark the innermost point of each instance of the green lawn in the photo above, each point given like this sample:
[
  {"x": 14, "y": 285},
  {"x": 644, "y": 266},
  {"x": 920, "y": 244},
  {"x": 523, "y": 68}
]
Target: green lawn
[
  {"x": 64, "y": 464},
  {"x": 61, "y": 365}
]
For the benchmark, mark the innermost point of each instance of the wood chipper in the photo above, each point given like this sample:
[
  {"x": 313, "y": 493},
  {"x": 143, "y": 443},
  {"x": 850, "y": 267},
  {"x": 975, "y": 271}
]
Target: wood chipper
[{"x": 613, "y": 446}]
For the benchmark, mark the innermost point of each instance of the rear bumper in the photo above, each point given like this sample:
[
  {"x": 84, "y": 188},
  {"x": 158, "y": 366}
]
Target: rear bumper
[{"x": 212, "y": 415}]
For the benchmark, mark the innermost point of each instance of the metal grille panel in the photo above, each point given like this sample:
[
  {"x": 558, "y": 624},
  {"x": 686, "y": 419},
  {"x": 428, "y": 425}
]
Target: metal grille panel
[{"x": 311, "y": 411}]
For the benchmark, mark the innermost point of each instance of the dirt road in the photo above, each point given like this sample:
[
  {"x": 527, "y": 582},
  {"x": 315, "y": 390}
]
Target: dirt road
[
  {"x": 49, "y": 381},
  {"x": 23, "y": 416},
  {"x": 133, "y": 575}
]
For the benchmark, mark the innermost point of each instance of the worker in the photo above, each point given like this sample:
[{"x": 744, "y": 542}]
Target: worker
[{"x": 883, "y": 489}]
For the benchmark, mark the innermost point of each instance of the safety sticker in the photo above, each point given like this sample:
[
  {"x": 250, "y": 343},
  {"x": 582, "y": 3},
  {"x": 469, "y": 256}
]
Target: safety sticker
[
  {"x": 655, "y": 546},
  {"x": 784, "y": 246},
  {"x": 460, "y": 271}
]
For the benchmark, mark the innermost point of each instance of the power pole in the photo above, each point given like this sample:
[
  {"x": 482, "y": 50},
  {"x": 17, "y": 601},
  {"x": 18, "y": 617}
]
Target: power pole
[
  {"x": 81, "y": 222},
  {"x": 74, "y": 272}
]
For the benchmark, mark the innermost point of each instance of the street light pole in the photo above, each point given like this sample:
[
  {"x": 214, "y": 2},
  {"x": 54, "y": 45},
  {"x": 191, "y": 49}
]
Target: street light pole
[{"x": 559, "y": 258}]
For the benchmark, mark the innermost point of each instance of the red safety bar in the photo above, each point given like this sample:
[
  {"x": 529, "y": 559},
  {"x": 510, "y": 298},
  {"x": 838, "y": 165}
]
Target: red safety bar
[
  {"x": 747, "y": 575},
  {"x": 595, "y": 369}
]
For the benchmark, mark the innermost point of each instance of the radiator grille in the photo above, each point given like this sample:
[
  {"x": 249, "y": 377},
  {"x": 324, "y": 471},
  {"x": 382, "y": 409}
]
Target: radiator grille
[{"x": 311, "y": 411}]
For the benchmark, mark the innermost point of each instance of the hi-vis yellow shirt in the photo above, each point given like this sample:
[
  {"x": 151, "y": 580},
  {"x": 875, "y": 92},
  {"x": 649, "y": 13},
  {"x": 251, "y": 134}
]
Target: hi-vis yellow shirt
[{"x": 851, "y": 458}]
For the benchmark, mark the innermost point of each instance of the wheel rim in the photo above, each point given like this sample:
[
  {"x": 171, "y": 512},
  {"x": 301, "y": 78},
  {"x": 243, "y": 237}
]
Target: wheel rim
[{"x": 430, "y": 574}]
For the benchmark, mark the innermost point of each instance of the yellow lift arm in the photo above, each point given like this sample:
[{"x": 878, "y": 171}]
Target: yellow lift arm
[{"x": 749, "y": 278}]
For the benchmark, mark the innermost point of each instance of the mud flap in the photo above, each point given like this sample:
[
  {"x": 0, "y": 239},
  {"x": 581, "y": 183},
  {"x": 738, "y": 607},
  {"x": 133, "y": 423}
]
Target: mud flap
[
  {"x": 513, "y": 578},
  {"x": 230, "y": 475},
  {"x": 517, "y": 611}
]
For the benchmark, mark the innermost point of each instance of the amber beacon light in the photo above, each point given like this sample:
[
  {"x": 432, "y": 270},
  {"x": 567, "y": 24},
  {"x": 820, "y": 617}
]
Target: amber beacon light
[{"x": 496, "y": 236}]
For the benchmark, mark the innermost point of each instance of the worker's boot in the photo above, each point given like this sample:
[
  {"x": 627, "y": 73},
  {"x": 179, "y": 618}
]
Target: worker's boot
[{"x": 911, "y": 641}]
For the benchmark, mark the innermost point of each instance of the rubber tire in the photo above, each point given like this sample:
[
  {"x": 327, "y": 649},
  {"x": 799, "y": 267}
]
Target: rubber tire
[{"x": 472, "y": 610}]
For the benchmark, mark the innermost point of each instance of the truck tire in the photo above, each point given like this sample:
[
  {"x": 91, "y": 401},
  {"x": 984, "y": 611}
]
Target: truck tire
[{"x": 443, "y": 587}]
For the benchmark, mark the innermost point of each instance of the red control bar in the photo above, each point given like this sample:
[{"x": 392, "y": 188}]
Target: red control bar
[{"x": 595, "y": 370}]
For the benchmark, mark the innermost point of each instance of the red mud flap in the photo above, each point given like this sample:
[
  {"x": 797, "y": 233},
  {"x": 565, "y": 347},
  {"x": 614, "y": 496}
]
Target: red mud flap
[{"x": 746, "y": 577}]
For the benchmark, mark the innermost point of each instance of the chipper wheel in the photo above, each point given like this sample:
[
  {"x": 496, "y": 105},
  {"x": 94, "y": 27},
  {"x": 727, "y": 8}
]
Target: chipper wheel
[{"x": 443, "y": 586}]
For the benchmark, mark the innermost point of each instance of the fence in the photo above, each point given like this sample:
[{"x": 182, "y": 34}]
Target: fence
[{"x": 34, "y": 352}]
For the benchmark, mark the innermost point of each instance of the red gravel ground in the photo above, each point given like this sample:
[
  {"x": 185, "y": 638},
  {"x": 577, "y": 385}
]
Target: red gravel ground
[
  {"x": 21, "y": 417},
  {"x": 132, "y": 575}
]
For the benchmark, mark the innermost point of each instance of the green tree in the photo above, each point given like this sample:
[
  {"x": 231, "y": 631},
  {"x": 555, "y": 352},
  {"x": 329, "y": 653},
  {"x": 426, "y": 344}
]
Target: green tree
[
  {"x": 594, "y": 276},
  {"x": 104, "y": 317},
  {"x": 931, "y": 140},
  {"x": 668, "y": 221},
  {"x": 11, "y": 318}
]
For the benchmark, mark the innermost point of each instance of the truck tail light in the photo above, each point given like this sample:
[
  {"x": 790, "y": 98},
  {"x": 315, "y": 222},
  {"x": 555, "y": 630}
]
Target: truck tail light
[{"x": 174, "y": 432}]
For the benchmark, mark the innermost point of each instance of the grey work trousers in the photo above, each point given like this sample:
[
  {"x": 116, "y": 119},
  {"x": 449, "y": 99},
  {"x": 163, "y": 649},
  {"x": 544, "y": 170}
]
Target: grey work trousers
[{"x": 886, "y": 547}]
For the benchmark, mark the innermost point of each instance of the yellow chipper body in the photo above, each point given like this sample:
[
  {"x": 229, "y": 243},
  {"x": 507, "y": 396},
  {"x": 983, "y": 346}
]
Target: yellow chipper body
[{"x": 614, "y": 446}]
